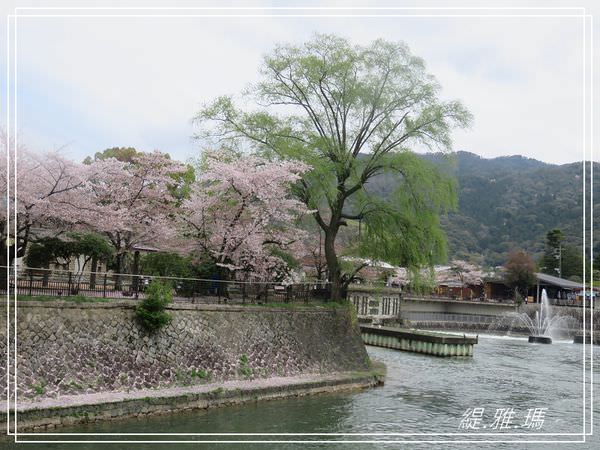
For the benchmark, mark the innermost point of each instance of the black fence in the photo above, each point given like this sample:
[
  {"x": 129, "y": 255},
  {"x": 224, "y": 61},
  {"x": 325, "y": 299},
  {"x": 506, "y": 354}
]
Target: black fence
[{"x": 35, "y": 282}]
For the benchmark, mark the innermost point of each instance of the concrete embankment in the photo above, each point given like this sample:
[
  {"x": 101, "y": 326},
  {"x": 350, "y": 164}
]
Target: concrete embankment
[
  {"x": 87, "y": 408},
  {"x": 475, "y": 327},
  {"x": 66, "y": 349}
]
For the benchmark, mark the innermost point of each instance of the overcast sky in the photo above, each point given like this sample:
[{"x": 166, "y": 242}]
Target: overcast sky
[{"x": 89, "y": 83}]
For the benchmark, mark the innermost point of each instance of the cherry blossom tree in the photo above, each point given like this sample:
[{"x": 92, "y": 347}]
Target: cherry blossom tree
[
  {"x": 240, "y": 213},
  {"x": 133, "y": 202},
  {"x": 466, "y": 272},
  {"x": 49, "y": 197}
]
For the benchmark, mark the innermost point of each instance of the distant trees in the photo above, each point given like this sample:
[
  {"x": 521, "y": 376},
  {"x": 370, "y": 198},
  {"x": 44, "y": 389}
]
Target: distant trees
[
  {"x": 560, "y": 259},
  {"x": 551, "y": 261},
  {"x": 504, "y": 206},
  {"x": 80, "y": 248},
  {"x": 466, "y": 272},
  {"x": 572, "y": 263},
  {"x": 123, "y": 154},
  {"x": 519, "y": 272},
  {"x": 596, "y": 267}
]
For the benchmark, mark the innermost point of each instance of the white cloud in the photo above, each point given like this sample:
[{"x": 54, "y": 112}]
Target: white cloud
[{"x": 138, "y": 81}]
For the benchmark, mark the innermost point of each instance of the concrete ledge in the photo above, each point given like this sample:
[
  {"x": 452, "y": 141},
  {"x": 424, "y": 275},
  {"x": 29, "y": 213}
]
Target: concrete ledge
[
  {"x": 429, "y": 343},
  {"x": 410, "y": 298},
  {"x": 175, "y": 306},
  {"x": 423, "y": 336},
  {"x": 578, "y": 339},
  {"x": 70, "y": 410}
]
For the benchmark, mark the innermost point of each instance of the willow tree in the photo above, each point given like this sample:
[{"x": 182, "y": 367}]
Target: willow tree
[{"x": 352, "y": 113}]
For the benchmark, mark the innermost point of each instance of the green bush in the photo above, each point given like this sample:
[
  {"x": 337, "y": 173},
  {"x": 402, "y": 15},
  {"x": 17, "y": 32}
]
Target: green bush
[
  {"x": 151, "y": 311},
  {"x": 244, "y": 369},
  {"x": 202, "y": 374}
]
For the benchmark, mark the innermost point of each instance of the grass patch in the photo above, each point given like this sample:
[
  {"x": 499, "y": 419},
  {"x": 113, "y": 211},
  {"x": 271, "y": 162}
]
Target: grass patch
[
  {"x": 55, "y": 298},
  {"x": 75, "y": 385},
  {"x": 244, "y": 369},
  {"x": 39, "y": 388},
  {"x": 202, "y": 374}
]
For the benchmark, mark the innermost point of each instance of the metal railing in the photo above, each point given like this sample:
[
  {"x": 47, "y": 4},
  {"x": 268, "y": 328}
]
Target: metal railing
[
  {"x": 37, "y": 282},
  {"x": 448, "y": 317},
  {"x": 366, "y": 305}
]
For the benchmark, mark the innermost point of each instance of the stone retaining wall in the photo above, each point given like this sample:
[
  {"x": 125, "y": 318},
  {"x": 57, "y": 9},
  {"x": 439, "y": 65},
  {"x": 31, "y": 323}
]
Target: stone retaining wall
[{"x": 65, "y": 348}]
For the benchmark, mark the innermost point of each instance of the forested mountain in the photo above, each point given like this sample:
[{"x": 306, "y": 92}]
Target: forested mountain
[{"x": 510, "y": 202}]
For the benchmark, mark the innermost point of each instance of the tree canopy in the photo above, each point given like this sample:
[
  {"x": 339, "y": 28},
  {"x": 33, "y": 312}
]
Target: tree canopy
[
  {"x": 351, "y": 112},
  {"x": 241, "y": 215},
  {"x": 520, "y": 272}
]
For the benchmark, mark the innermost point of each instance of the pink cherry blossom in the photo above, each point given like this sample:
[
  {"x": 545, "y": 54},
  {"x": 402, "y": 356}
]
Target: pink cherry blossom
[
  {"x": 240, "y": 209},
  {"x": 49, "y": 194},
  {"x": 132, "y": 203}
]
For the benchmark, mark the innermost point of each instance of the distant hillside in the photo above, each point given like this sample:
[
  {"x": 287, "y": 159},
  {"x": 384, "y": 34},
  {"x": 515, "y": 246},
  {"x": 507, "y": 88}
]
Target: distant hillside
[
  {"x": 512, "y": 202},
  {"x": 509, "y": 202}
]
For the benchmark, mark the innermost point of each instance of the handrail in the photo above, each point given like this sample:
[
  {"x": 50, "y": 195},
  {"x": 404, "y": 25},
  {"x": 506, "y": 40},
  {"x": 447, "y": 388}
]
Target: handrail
[{"x": 112, "y": 274}]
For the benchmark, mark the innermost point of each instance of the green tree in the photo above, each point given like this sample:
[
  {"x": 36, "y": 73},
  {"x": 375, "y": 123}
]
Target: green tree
[
  {"x": 551, "y": 261},
  {"x": 123, "y": 154},
  {"x": 48, "y": 250},
  {"x": 596, "y": 266},
  {"x": 151, "y": 311},
  {"x": 171, "y": 264},
  {"x": 351, "y": 112},
  {"x": 572, "y": 262},
  {"x": 75, "y": 246},
  {"x": 520, "y": 272}
]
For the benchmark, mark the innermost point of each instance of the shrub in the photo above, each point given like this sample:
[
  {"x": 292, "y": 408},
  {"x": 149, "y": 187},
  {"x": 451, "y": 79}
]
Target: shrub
[
  {"x": 151, "y": 311},
  {"x": 39, "y": 388},
  {"x": 244, "y": 369},
  {"x": 202, "y": 374}
]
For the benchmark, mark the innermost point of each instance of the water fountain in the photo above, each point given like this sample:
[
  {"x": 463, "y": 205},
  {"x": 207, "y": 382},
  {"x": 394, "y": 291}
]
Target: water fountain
[{"x": 541, "y": 327}]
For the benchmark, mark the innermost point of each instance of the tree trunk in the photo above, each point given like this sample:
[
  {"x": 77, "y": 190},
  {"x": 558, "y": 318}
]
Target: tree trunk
[
  {"x": 3, "y": 263},
  {"x": 224, "y": 276},
  {"x": 12, "y": 249},
  {"x": 136, "y": 271},
  {"x": 46, "y": 276},
  {"x": 333, "y": 266},
  {"x": 119, "y": 269},
  {"x": 93, "y": 273}
]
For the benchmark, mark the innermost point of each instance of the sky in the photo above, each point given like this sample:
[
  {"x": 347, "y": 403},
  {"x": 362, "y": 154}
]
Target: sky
[{"x": 89, "y": 83}]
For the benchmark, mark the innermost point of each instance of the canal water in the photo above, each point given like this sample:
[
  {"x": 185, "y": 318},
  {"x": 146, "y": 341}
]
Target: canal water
[{"x": 493, "y": 392}]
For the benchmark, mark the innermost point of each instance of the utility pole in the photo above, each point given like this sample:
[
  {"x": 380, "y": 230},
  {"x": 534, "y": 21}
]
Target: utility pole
[
  {"x": 560, "y": 260},
  {"x": 559, "y": 257}
]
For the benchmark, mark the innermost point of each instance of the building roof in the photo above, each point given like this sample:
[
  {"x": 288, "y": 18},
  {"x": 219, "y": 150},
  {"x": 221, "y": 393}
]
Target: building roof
[
  {"x": 145, "y": 248},
  {"x": 451, "y": 284},
  {"x": 555, "y": 281}
]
